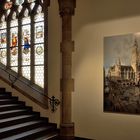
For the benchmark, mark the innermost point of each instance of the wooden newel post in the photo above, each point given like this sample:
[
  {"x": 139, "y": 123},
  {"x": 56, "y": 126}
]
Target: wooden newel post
[{"x": 66, "y": 8}]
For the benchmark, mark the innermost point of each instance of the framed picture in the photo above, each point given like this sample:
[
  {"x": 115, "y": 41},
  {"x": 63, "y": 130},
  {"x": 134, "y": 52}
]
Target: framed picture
[{"x": 122, "y": 73}]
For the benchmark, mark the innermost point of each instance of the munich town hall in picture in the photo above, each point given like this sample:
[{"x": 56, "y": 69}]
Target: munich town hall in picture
[{"x": 127, "y": 73}]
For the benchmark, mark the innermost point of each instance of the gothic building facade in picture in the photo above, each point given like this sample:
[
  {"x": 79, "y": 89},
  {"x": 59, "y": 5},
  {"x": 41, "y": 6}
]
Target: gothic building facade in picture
[
  {"x": 122, "y": 79},
  {"x": 127, "y": 73}
]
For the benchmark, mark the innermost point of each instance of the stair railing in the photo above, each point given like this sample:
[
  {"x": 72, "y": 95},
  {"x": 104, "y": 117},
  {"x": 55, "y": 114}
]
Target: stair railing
[{"x": 53, "y": 101}]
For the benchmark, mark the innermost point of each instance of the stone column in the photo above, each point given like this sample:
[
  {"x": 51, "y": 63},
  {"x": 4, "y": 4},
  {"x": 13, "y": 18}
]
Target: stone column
[{"x": 66, "y": 8}]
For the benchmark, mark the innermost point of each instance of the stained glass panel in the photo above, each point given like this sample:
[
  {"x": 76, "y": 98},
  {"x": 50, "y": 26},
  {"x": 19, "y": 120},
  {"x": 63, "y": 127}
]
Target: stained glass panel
[
  {"x": 26, "y": 45},
  {"x": 39, "y": 47},
  {"x": 3, "y": 43},
  {"x": 39, "y": 54},
  {"x": 3, "y": 38},
  {"x": 26, "y": 33},
  {"x": 26, "y": 20},
  {"x": 3, "y": 53},
  {"x": 39, "y": 32},
  {"x": 31, "y": 1},
  {"x": 39, "y": 75},
  {"x": 8, "y": 12},
  {"x": 14, "y": 23},
  {"x": 32, "y": 5},
  {"x": 19, "y": 2},
  {"x": 14, "y": 58},
  {"x": 25, "y": 57},
  {"x": 14, "y": 44},
  {"x": 39, "y": 17},
  {"x": 39, "y": 9},
  {"x": 19, "y": 8},
  {"x": 7, "y": 5},
  {"x": 2, "y": 25},
  {"x": 14, "y": 69},
  {"x": 26, "y": 72}
]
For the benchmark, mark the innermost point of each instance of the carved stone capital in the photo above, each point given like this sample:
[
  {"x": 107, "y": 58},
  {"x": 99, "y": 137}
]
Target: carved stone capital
[{"x": 66, "y": 7}]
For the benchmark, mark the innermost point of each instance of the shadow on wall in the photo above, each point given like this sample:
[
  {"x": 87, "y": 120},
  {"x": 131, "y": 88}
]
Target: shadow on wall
[
  {"x": 96, "y": 11},
  {"x": 102, "y": 10}
]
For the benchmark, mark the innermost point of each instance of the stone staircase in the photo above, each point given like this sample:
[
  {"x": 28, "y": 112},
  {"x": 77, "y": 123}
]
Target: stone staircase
[{"x": 19, "y": 122}]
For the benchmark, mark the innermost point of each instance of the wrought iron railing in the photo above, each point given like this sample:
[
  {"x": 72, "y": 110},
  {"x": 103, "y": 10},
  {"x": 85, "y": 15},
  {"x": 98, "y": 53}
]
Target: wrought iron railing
[{"x": 53, "y": 101}]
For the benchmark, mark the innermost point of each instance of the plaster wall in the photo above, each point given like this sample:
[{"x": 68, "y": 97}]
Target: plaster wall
[{"x": 94, "y": 20}]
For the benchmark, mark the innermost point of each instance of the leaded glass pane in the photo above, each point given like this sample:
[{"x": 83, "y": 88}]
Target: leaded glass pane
[
  {"x": 39, "y": 47},
  {"x": 2, "y": 25},
  {"x": 19, "y": 2},
  {"x": 26, "y": 72},
  {"x": 14, "y": 15},
  {"x": 39, "y": 32},
  {"x": 3, "y": 19},
  {"x": 39, "y": 75},
  {"x": 14, "y": 23},
  {"x": 8, "y": 12},
  {"x": 19, "y": 8},
  {"x": 3, "y": 53},
  {"x": 3, "y": 43},
  {"x": 26, "y": 33},
  {"x": 14, "y": 37},
  {"x": 39, "y": 17},
  {"x": 32, "y": 5},
  {"x": 3, "y": 38},
  {"x": 26, "y": 20},
  {"x": 31, "y": 1},
  {"x": 25, "y": 56},
  {"x": 26, "y": 13},
  {"x": 26, "y": 45},
  {"x": 39, "y": 9},
  {"x": 14, "y": 69},
  {"x": 14, "y": 57},
  {"x": 39, "y": 54},
  {"x": 14, "y": 44}
]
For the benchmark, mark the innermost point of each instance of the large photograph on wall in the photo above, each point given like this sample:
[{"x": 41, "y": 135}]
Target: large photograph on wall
[{"x": 122, "y": 74}]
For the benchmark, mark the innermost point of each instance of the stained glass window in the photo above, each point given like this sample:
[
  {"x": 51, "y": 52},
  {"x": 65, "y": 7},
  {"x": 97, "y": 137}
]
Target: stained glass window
[
  {"x": 26, "y": 33},
  {"x": 39, "y": 46},
  {"x": 3, "y": 41},
  {"x": 19, "y": 2},
  {"x": 14, "y": 43},
  {"x": 22, "y": 39}
]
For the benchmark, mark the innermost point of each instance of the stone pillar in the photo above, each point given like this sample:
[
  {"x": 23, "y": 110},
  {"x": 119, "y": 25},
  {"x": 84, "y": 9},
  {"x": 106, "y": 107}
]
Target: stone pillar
[{"x": 66, "y": 8}]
